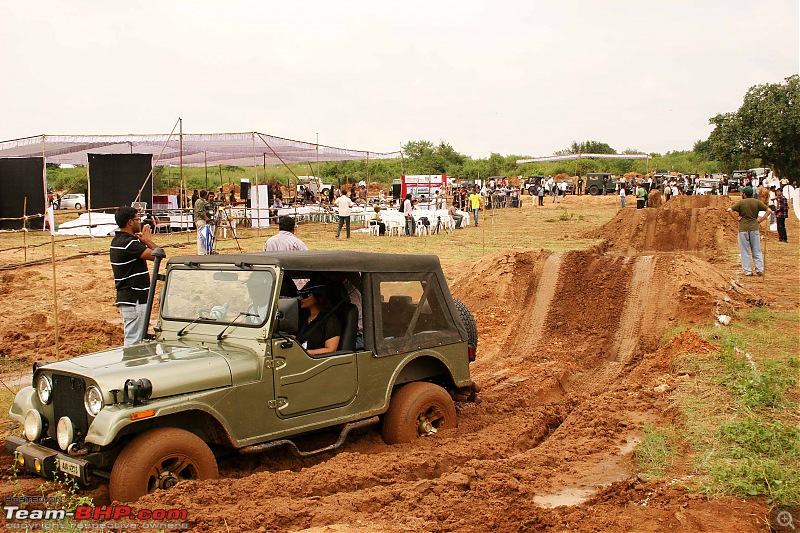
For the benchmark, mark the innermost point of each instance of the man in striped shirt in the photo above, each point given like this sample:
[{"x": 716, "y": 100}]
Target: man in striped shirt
[{"x": 131, "y": 248}]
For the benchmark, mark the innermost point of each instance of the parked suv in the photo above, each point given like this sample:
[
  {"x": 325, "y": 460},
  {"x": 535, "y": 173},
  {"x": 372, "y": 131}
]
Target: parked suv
[
  {"x": 224, "y": 373},
  {"x": 597, "y": 181}
]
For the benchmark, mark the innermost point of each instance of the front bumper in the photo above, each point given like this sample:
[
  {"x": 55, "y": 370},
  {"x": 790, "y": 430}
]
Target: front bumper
[{"x": 45, "y": 461}]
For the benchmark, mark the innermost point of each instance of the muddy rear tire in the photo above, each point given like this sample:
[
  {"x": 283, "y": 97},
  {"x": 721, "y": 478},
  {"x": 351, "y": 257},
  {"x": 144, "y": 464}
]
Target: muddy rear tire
[
  {"x": 468, "y": 320},
  {"x": 158, "y": 459},
  {"x": 418, "y": 409}
]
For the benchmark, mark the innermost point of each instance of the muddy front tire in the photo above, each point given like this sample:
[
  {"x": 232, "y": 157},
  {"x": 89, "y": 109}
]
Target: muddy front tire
[
  {"x": 418, "y": 409},
  {"x": 158, "y": 459}
]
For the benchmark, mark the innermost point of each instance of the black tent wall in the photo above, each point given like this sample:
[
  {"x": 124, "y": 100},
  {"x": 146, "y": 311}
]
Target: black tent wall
[
  {"x": 116, "y": 178},
  {"x": 20, "y": 178}
]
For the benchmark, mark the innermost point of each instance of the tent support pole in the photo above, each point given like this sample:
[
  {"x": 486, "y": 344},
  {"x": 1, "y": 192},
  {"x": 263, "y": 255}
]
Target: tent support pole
[
  {"x": 255, "y": 170},
  {"x": 181, "y": 191},
  {"x": 55, "y": 289},
  {"x": 89, "y": 197},
  {"x": 25, "y": 227}
]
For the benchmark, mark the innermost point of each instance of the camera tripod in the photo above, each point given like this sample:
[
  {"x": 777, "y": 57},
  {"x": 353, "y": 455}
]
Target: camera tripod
[{"x": 215, "y": 221}]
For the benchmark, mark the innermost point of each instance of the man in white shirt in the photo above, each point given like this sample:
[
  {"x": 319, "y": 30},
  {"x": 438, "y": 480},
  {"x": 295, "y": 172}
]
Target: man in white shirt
[
  {"x": 344, "y": 204},
  {"x": 285, "y": 240}
]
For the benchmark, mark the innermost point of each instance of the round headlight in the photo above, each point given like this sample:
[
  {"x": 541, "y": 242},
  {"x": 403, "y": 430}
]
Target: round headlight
[
  {"x": 93, "y": 400},
  {"x": 44, "y": 387},
  {"x": 65, "y": 432},
  {"x": 33, "y": 425}
]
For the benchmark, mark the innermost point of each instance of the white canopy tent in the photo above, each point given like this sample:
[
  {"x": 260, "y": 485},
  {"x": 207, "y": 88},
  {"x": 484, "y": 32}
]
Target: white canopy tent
[
  {"x": 240, "y": 149},
  {"x": 572, "y": 157}
]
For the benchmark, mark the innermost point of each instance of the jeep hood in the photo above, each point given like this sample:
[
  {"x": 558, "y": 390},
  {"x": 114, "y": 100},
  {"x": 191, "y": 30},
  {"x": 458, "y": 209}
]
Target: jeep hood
[{"x": 172, "y": 368}]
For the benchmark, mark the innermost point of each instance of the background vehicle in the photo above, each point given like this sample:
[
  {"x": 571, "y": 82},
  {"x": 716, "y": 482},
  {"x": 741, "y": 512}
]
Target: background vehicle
[
  {"x": 224, "y": 374},
  {"x": 531, "y": 182},
  {"x": 760, "y": 172},
  {"x": 72, "y": 201},
  {"x": 595, "y": 181},
  {"x": 736, "y": 180},
  {"x": 314, "y": 184},
  {"x": 707, "y": 186}
]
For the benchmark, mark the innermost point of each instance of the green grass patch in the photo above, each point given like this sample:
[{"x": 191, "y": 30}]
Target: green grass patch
[
  {"x": 741, "y": 409},
  {"x": 656, "y": 453}
]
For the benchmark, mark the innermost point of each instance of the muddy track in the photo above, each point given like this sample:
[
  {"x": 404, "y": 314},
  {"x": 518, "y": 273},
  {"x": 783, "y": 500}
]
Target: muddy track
[
  {"x": 536, "y": 305},
  {"x": 631, "y": 318}
]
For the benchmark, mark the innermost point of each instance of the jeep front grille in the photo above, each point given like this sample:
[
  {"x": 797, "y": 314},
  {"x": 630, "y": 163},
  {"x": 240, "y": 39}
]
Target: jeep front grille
[{"x": 68, "y": 401}]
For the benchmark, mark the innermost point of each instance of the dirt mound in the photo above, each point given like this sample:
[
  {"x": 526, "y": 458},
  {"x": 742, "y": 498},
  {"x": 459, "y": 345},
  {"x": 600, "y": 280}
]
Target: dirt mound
[
  {"x": 707, "y": 200},
  {"x": 706, "y": 231},
  {"x": 654, "y": 198},
  {"x": 589, "y": 308}
]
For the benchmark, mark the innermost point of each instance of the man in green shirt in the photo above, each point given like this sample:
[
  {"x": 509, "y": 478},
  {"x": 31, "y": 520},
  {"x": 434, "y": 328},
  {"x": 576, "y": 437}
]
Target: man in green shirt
[
  {"x": 641, "y": 197},
  {"x": 202, "y": 220},
  {"x": 746, "y": 210}
]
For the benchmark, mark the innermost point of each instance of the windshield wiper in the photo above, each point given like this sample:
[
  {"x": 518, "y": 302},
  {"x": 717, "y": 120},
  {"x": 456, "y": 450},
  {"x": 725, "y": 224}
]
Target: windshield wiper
[
  {"x": 182, "y": 331},
  {"x": 243, "y": 313}
]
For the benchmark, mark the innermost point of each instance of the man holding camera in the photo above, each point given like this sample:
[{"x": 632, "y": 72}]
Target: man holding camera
[{"x": 203, "y": 216}]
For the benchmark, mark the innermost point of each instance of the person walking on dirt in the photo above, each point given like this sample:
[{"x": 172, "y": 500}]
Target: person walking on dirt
[
  {"x": 130, "y": 250},
  {"x": 781, "y": 214},
  {"x": 475, "y": 204},
  {"x": 622, "y": 195},
  {"x": 345, "y": 204},
  {"x": 747, "y": 210}
]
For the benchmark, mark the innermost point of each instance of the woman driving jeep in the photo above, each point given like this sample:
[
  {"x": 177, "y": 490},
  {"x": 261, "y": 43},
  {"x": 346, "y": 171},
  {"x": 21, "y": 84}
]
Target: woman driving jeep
[{"x": 320, "y": 329}]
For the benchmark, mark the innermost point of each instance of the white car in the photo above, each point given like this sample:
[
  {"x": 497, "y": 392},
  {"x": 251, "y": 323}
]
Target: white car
[
  {"x": 708, "y": 186},
  {"x": 72, "y": 201}
]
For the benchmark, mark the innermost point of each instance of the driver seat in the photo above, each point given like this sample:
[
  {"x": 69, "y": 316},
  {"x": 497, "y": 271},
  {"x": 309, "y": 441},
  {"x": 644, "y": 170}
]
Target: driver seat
[{"x": 347, "y": 313}]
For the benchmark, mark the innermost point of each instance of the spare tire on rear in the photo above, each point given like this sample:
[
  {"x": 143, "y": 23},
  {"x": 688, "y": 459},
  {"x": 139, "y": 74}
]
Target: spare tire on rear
[{"x": 469, "y": 322}]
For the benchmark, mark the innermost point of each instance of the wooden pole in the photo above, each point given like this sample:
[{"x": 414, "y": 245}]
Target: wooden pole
[
  {"x": 205, "y": 164},
  {"x": 181, "y": 195},
  {"x": 25, "y": 227},
  {"x": 55, "y": 290},
  {"x": 88, "y": 201},
  {"x": 255, "y": 171}
]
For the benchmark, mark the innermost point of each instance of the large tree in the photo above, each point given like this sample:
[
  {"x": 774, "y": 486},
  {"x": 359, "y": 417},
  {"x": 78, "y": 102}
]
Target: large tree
[
  {"x": 766, "y": 126},
  {"x": 587, "y": 147}
]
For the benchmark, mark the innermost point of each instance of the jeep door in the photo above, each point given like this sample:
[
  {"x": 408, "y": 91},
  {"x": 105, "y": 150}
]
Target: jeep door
[{"x": 306, "y": 384}]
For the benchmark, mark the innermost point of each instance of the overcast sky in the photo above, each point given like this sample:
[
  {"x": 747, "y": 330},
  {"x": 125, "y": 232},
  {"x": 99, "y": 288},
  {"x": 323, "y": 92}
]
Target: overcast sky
[{"x": 525, "y": 77}]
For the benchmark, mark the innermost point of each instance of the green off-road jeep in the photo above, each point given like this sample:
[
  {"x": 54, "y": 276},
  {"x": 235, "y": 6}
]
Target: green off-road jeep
[{"x": 223, "y": 372}]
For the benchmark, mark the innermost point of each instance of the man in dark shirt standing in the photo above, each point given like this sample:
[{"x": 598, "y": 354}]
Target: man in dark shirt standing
[
  {"x": 131, "y": 248},
  {"x": 781, "y": 214}
]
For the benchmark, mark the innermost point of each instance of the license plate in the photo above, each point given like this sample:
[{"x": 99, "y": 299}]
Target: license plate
[{"x": 68, "y": 467}]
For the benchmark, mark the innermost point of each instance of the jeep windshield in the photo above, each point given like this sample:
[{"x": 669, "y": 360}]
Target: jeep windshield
[{"x": 221, "y": 296}]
